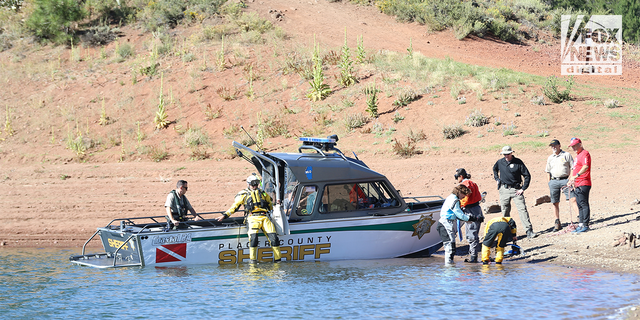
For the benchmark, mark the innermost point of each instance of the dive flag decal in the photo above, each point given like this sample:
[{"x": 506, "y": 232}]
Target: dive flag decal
[{"x": 171, "y": 252}]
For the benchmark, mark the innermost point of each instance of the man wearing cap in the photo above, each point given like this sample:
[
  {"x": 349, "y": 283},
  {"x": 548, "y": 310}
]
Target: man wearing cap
[
  {"x": 558, "y": 169},
  {"x": 508, "y": 173},
  {"x": 580, "y": 180}
]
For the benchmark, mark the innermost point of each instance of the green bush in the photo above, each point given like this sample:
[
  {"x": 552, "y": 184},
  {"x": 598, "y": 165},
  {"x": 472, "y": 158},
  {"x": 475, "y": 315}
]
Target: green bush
[
  {"x": 501, "y": 17},
  {"x": 51, "y": 19},
  {"x": 551, "y": 89},
  {"x": 162, "y": 14}
]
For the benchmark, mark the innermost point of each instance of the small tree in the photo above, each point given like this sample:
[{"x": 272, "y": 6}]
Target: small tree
[
  {"x": 630, "y": 11},
  {"x": 52, "y": 19}
]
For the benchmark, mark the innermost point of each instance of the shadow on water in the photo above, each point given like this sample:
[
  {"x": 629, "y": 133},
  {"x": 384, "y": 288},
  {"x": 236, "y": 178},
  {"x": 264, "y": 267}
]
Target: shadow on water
[{"x": 408, "y": 288}]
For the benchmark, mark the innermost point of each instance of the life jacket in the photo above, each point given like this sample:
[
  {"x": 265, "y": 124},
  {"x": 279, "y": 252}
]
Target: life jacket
[
  {"x": 179, "y": 205},
  {"x": 256, "y": 202}
]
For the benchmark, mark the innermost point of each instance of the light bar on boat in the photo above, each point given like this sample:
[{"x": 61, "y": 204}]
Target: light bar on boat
[{"x": 317, "y": 140}]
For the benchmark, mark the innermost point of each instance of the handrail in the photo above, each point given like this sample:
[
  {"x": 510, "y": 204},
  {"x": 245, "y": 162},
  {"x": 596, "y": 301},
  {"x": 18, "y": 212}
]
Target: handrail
[
  {"x": 420, "y": 197},
  {"x": 262, "y": 157},
  {"x": 304, "y": 146},
  {"x": 153, "y": 218},
  {"x": 115, "y": 254},
  {"x": 85, "y": 244}
]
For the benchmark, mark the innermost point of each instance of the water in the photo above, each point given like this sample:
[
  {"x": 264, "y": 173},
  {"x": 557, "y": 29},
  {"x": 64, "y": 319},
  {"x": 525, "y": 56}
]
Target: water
[{"x": 41, "y": 283}]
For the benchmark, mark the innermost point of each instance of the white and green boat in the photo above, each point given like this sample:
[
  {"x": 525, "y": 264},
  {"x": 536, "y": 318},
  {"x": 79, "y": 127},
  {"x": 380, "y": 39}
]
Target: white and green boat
[{"x": 333, "y": 208}]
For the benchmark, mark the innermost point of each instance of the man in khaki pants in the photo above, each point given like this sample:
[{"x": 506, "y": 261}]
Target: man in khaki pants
[{"x": 508, "y": 173}]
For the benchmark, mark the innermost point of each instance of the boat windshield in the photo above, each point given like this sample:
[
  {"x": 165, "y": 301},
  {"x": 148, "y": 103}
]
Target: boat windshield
[{"x": 357, "y": 196}]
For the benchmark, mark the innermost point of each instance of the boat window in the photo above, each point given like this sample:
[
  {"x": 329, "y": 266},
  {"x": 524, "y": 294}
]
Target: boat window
[
  {"x": 357, "y": 196},
  {"x": 291, "y": 186},
  {"x": 307, "y": 200}
]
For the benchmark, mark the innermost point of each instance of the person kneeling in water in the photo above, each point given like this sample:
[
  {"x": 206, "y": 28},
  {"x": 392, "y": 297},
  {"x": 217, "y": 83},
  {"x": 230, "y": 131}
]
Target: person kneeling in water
[{"x": 498, "y": 232}]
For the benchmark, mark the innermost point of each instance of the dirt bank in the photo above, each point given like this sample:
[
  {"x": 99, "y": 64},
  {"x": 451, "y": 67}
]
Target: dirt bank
[{"x": 61, "y": 205}]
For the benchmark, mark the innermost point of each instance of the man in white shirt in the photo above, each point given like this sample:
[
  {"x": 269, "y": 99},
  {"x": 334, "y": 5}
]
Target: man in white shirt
[{"x": 558, "y": 168}]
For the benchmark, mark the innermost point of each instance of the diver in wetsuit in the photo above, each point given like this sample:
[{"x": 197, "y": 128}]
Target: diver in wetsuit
[
  {"x": 257, "y": 204},
  {"x": 498, "y": 232}
]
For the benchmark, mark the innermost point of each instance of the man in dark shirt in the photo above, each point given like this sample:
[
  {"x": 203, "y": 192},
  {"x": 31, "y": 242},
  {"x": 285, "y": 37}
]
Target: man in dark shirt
[{"x": 508, "y": 173}]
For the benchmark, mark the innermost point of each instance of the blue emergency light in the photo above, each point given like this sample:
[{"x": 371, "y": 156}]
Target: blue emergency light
[{"x": 317, "y": 140}]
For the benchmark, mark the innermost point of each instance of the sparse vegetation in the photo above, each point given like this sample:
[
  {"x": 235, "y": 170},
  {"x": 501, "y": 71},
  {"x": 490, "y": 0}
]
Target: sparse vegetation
[
  {"x": 8, "y": 127},
  {"x": 404, "y": 150},
  {"x": 538, "y": 101},
  {"x": 319, "y": 89},
  {"x": 195, "y": 137},
  {"x": 104, "y": 119},
  {"x": 452, "y": 131},
  {"x": 227, "y": 93},
  {"x": 551, "y": 89},
  {"x": 361, "y": 54},
  {"x": 125, "y": 51},
  {"x": 354, "y": 121},
  {"x": 347, "y": 77},
  {"x": 509, "y": 130},
  {"x": 158, "y": 154},
  {"x": 372, "y": 100},
  {"x": 405, "y": 97},
  {"x": 211, "y": 113},
  {"x": 397, "y": 117},
  {"x": 476, "y": 119},
  {"x": 161, "y": 118},
  {"x": 611, "y": 103}
]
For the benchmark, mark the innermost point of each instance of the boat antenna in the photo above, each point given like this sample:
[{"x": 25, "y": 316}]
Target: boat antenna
[{"x": 250, "y": 137}]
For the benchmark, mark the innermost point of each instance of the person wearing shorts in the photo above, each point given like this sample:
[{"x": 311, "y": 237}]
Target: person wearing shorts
[{"x": 558, "y": 169}]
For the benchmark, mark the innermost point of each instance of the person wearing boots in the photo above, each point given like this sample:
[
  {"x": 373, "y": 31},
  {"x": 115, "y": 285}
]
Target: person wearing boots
[
  {"x": 508, "y": 173},
  {"x": 558, "y": 169},
  {"x": 471, "y": 206},
  {"x": 177, "y": 206},
  {"x": 449, "y": 213},
  {"x": 257, "y": 204},
  {"x": 498, "y": 232}
]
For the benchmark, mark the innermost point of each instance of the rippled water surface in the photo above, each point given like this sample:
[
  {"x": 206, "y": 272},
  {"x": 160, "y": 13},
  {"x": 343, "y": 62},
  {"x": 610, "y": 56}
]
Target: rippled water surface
[{"x": 42, "y": 283}]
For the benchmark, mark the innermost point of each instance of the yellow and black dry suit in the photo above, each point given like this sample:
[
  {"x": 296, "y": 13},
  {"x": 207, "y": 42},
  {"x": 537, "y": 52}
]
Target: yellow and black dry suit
[
  {"x": 257, "y": 204},
  {"x": 498, "y": 232}
]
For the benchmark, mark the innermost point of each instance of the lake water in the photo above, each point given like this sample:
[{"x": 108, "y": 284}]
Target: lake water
[{"x": 42, "y": 283}]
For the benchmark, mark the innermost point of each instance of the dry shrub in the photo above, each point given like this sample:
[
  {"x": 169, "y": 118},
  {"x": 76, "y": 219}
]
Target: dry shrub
[{"x": 452, "y": 131}]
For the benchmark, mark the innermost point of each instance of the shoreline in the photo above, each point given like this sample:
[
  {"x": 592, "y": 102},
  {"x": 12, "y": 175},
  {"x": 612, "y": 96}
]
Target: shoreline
[{"x": 45, "y": 210}]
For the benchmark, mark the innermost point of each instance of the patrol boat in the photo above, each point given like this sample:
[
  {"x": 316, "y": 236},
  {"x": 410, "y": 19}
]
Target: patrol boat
[{"x": 333, "y": 207}]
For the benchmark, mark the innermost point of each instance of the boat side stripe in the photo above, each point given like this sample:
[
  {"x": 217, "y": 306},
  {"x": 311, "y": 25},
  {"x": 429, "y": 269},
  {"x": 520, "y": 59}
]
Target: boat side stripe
[{"x": 399, "y": 226}]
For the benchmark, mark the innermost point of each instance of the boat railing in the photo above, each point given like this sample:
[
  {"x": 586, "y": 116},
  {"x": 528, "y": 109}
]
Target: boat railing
[
  {"x": 423, "y": 202},
  {"x": 124, "y": 243},
  {"x": 125, "y": 224},
  {"x": 122, "y": 223}
]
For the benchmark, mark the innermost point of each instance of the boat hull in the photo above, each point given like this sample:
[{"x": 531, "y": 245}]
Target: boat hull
[
  {"x": 321, "y": 240},
  {"x": 356, "y": 238}
]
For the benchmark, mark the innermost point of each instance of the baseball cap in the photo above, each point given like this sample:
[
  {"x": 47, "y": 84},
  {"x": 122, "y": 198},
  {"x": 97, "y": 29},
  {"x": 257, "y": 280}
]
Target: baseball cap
[
  {"x": 554, "y": 142},
  {"x": 506, "y": 150},
  {"x": 574, "y": 141}
]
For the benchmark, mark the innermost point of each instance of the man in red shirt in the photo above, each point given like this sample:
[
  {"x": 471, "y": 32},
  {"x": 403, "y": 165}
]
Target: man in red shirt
[{"x": 580, "y": 181}]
